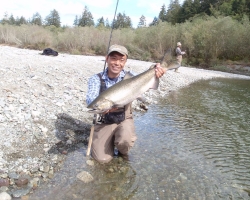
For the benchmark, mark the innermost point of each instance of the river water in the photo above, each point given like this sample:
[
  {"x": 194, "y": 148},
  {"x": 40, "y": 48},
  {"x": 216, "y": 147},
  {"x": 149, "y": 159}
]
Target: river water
[{"x": 193, "y": 144}]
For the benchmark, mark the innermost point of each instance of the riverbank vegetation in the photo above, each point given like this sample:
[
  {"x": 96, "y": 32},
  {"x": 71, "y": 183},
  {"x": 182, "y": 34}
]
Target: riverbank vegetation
[{"x": 211, "y": 39}]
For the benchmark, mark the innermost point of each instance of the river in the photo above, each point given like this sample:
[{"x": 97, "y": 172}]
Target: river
[{"x": 192, "y": 144}]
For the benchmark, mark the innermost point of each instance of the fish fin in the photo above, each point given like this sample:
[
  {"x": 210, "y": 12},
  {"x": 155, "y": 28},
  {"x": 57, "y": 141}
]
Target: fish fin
[
  {"x": 128, "y": 75},
  {"x": 168, "y": 61},
  {"x": 155, "y": 84},
  {"x": 167, "y": 56},
  {"x": 173, "y": 65}
]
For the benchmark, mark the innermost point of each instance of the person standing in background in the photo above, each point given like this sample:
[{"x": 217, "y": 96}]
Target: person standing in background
[{"x": 179, "y": 54}]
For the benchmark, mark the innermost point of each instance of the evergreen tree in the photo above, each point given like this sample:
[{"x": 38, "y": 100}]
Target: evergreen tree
[
  {"x": 226, "y": 8},
  {"x": 173, "y": 12},
  {"x": 207, "y": 4},
  {"x": 128, "y": 21},
  {"x": 186, "y": 11},
  {"x": 196, "y": 7},
  {"x": 53, "y": 19},
  {"x": 154, "y": 22},
  {"x": 86, "y": 19},
  {"x": 107, "y": 25},
  {"x": 122, "y": 21},
  {"x": 163, "y": 13},
  {"x": 100, "y": 22},
  {"x": 5, "y": 19},
  {"x": 21, "y": 20},
  {"x": 239, "y": 7},
  {"x": 76, "y": 21},
  {"x": 142, "y": 22},
  {"x": 36, "y": 19},
  {"x": 12, "y": 20}
]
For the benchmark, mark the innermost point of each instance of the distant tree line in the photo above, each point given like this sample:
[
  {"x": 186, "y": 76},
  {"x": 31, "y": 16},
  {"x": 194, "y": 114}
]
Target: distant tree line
[
  {"x": 175, "y": 13},
  {"x": 85, "y": 19}
]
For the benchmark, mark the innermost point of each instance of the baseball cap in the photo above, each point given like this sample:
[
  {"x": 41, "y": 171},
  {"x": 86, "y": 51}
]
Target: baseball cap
[
  {"x": 178, "y": 44},
  {"x": 118, "y": 48}
]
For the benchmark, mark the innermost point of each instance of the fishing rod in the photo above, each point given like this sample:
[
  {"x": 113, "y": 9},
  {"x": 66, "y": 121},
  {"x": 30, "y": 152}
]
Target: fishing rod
[
  {"x": 110, "y": 35},
  {"x": 95, "y": 115}
]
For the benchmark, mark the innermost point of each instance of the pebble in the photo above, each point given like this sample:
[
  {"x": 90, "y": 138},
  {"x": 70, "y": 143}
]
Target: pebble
[
  {"x": 21, "y": 182},
  {"x": 85, "y": 177},
  {"x": 4, "y": 182},
  {"x": 5, "y": 196},
  {"x": 90, "y": 162}
]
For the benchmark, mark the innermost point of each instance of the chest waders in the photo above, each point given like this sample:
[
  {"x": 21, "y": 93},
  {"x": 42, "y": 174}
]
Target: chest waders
[{"x": 116, "y": 116}]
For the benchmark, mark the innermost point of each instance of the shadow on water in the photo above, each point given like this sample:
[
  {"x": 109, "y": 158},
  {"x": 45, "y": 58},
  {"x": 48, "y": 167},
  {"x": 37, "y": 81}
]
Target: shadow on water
[{"x": 194, "y": 144}]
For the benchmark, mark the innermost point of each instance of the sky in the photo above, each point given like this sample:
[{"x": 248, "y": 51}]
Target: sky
[{"x": 68, "y": 9}]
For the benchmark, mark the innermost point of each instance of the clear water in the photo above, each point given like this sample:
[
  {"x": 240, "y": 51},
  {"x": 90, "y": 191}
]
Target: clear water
[{"x": 194, "y": 144}]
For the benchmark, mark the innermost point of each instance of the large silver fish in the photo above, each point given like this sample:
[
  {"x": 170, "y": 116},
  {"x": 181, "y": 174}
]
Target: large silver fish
[{"x": 130, "y": 88}]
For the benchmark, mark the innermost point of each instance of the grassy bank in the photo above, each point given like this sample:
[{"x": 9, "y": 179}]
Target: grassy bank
[{"x": 209, "y": 42}]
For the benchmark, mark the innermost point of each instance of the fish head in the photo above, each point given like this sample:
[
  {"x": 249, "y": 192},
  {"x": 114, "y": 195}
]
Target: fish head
[{"x": 100, "y": 106}]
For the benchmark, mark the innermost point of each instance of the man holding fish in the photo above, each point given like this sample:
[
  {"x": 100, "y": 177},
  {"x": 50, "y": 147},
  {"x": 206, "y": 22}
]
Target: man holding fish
[{"x": 115, "y": 127}]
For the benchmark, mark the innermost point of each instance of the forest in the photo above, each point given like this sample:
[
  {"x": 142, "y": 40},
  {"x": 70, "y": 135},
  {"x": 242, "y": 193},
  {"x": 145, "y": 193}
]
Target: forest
[{"x": 215, "y": 34}]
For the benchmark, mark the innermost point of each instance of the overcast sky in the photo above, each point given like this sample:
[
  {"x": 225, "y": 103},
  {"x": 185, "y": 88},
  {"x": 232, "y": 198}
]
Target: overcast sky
[{"x": 68, "y": 9}]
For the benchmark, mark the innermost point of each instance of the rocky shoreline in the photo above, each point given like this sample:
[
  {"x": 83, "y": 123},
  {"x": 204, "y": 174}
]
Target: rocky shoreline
[{"x": 43, "y": 113}]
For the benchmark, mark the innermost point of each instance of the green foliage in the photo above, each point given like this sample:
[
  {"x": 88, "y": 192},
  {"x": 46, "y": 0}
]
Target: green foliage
[
  {"x": 100, "y": 23},
  {"x": 173, "y": 13},
  {"x": 122, "y": 21},
  {"x": 53, "y": 19},
  {"x": 163, "y": 13},
  {"x": 36, "y": 19},
  {"x": 142, "y": 22},
  {"x": 107, "y": 25},
  {"x": 86, "y": 19},
  {"x": 154, "y": 22}
]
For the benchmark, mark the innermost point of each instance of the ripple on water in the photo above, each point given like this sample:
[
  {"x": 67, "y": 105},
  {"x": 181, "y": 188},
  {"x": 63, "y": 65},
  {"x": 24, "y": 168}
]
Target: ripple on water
[{"x": 192, "y": 145}]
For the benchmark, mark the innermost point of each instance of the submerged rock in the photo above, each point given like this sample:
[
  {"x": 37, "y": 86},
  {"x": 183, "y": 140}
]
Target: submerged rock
[{"x": 85, "y": 177}]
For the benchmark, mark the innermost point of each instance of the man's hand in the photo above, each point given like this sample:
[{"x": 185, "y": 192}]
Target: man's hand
[{"x": 159, "y": 71}]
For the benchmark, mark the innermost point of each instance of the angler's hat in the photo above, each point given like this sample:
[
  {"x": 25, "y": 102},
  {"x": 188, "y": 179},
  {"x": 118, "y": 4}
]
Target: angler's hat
[
  {"x": 118, "y": 48},
  {"x": 178, "y": 44}
]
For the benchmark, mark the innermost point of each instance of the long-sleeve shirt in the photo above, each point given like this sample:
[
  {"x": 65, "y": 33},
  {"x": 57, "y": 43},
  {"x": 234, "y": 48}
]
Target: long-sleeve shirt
[
  {"x": 94, "y": 84},
  {"x": 179, "y": 52}
]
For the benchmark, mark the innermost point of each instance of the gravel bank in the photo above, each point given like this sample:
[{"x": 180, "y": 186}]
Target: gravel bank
[{"x": 43, "y": 111}]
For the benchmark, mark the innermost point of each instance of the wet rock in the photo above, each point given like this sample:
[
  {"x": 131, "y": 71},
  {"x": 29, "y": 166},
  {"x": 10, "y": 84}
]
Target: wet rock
[
  {"x": 90, "y": 162},
  {"x": 51, "y": 173},
  {"x": 85, "y": 177},
  {"x": 22, "y": 192},
  {"x": 5, "y": 196}
]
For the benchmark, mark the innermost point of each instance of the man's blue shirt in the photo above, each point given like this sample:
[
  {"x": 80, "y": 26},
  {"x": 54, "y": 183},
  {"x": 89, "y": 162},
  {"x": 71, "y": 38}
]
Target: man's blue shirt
[{"x": 94, "y": 84}]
